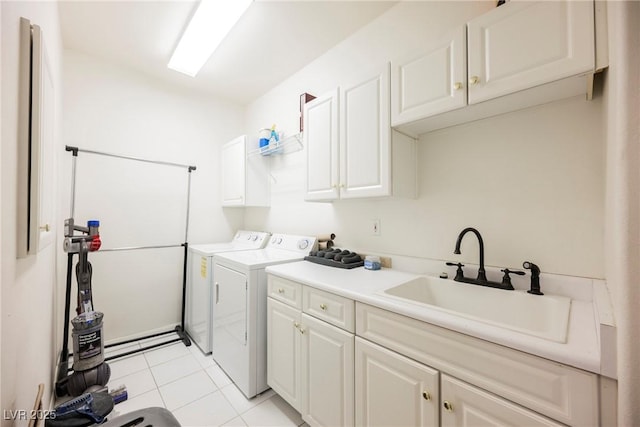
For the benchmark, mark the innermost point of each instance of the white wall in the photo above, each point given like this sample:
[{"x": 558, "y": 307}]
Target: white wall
[
  {"x": 623, "y": 199},
  {"x": 112, "y": 109},
  {"x": 28, "y": 285},
  {"x": 531, "y": 181}
]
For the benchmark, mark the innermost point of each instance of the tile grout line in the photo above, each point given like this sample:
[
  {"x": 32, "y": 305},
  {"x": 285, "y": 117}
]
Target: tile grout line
[{"x": 155, "y": 381}]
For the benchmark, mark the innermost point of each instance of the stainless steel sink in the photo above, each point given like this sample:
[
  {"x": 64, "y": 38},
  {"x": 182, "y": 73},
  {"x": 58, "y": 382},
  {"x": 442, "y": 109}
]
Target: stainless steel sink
[{"x": 540, "y": 316}]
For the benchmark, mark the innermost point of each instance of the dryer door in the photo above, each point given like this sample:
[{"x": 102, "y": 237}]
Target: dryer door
[{"x": 230, "y": 349}]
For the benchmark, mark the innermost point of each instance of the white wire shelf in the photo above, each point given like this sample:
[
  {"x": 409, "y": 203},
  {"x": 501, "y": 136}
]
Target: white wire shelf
[{"x": 289, "y": 144}]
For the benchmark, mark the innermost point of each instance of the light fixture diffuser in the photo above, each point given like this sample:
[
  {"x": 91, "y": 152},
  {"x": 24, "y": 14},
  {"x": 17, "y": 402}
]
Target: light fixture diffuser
[{"x": 209, "y": 26}]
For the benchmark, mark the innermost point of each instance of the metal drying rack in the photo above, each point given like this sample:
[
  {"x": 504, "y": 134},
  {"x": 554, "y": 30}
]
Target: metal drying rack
[{"x": 63, "y": 368}]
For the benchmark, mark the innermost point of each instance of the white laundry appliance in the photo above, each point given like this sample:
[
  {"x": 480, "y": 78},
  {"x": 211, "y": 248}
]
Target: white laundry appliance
[
  {"x": 240, "y": 308},
  {"x": 199, "y": 298}
]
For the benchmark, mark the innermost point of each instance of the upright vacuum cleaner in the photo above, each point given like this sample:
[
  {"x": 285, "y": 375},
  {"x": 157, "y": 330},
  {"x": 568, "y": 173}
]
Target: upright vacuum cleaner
[{"x": 89, "y": 368}]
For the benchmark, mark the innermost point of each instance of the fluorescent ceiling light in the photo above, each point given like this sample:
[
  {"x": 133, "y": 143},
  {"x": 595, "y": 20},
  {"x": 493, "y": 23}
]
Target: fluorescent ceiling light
[{"x": 209, "y": 26}]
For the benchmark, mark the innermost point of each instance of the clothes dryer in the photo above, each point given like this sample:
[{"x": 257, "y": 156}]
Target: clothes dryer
[{"x": 240, "y": 308}]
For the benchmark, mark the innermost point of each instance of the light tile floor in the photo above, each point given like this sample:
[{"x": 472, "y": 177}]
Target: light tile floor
[{"x": 193, "y": 387}]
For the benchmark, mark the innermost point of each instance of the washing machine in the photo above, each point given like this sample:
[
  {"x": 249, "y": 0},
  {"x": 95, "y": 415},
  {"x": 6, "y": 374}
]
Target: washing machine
[
  {"x": 240, "y": 308},
  {"x": 199, "y": 298}
]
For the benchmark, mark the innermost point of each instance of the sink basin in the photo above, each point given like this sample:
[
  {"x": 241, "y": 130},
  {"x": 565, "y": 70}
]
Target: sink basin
[{"x": 544, "y": 316}]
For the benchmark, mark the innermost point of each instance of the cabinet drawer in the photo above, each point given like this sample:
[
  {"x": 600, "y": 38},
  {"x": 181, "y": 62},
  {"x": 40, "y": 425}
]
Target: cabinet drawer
[
  {"x": 285, "y": 291},
  {"x": 331, "y": 308},
  {"x": 561, "y": 392}
]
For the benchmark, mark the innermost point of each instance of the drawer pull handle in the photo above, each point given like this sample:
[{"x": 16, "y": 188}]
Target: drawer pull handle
[
  {"x": 474, "y": 80},
  {"x": 457, "y": 86},
  {"x": 323, "y": 307},
  {"x": 296, "y": 325},
  {"x": 280, "y": 291},
  {"x": 426, "y": 395},
  {"x": 448, "y": 406},
  {"x": 301, "y": 330}
]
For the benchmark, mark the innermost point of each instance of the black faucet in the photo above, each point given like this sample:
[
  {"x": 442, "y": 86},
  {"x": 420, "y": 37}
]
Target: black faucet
[{"x": 482, "y": 275}]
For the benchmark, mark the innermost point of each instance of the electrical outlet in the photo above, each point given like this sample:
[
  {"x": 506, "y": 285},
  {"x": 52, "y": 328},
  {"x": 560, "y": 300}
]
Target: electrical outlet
[{"x": 375, "y": 227}]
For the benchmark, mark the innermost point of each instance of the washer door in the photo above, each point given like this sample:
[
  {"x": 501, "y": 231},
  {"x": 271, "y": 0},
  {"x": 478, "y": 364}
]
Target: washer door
[{"x": 230, "y": 349}]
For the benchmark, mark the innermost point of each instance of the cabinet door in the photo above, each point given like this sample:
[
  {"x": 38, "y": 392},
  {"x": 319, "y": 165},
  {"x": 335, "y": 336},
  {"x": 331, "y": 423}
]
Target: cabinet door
[
  {"x": 327, "y": 369},
  {"x": 283, "y": 352},
  {"x": 321, "y": 140},
  {"x": 432, "y": 82},
  {"x": 233, "y": 178},
  {"x": 365, "y": 137},
  {"x": 524, "y": 44},
  {"x": 466, "y": 405},
  {"x": 393, "y": 390}
]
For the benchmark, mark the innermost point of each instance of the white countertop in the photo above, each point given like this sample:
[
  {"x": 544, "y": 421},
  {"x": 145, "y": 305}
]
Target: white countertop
[{"x": 581, "y": 350}]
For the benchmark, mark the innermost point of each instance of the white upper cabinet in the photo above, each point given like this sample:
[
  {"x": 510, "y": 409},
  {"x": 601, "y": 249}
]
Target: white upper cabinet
[
  {"x": 365, "y": 137},
  {"x": 515, "y": 56},
  {"x": 351, "y": 152},
  {"x": 321, "y": 140},
  {"x": 245, "y": 179},
  {"x": 431, "y": 82},
  {"x": 526, "y": 44}
]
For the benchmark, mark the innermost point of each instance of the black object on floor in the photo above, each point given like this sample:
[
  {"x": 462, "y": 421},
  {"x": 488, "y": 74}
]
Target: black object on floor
[
  {"x": 86, "y": 410},
  {"x": 148, "y": 417}
]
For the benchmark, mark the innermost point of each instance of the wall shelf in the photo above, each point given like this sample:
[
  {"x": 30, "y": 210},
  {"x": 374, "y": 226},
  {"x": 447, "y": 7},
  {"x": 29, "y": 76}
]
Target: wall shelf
[{"x": 289, "y": 144}]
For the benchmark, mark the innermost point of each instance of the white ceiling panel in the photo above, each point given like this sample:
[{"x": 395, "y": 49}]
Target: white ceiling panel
[{"x": 272, "y": 41}]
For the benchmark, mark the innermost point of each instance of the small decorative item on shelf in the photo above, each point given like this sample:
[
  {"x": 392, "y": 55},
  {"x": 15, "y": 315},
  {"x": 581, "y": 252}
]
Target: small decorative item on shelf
[
  {"x": 304, "y": 98},
  {"x": 264, "y": 134},
  {"x": 274, "y": 141}
]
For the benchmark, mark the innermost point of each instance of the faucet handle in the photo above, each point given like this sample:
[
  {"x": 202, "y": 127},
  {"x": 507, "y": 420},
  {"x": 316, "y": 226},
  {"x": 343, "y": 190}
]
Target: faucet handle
[
  {"x": 506, "y": 279},
  {"x": 459, "y": 272},
  {"x": 506, "y": 271}
]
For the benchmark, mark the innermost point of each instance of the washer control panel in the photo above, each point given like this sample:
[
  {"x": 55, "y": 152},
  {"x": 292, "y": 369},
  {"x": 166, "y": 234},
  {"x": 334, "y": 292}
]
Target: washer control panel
[
  {"x": 301, "y": 244},
  {"x": 254, "y": 239}
]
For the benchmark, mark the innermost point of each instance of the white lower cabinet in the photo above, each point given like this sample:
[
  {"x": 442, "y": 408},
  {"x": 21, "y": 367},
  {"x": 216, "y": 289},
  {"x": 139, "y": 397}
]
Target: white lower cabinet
[
  {"x": 283, "y": 352},
  {"x": 466, "y": 405},
  {"x": 310, "y": 362},
  {"x": 342, "y": 363},
  {"x": 327, "y": 374},
  {"x": 479, "y": 377},
  {"x": 393, "y": 390}
]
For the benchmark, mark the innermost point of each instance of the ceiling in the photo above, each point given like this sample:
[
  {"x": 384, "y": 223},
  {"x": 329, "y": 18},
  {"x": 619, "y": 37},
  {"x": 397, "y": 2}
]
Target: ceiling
[{"x": 272, "y": 40}]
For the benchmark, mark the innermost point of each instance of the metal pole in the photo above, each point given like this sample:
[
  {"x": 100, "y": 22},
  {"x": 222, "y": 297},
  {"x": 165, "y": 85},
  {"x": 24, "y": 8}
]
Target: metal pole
[
  {"x": 73, "y": 183},
  {"x": 186, "y": 230},
  {"x": 137, "y": 159},
  {"x": 186, "y": 250},
  {"x": 64, "y": 353},
  {"x": 132, "y": 248}
]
